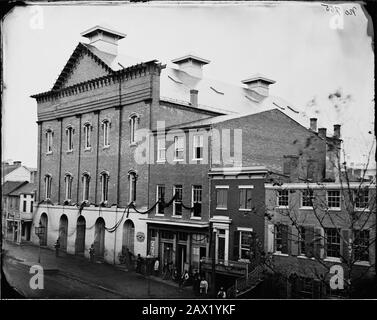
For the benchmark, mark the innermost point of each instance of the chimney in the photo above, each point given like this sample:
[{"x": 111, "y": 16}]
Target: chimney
[
  {"x": 194, "y": 98},
  {"x": 104, "y": 39},
  {"x": 17, "y": 163},
  {"x": 290, "y": 167},
  {"x": 337, "y": 131},
  {"x": 259, "y": 84},
  {"x": 313, "y": 124},
  {"x": 322, "y": 133},
  {"x": 191, "y": 64}
]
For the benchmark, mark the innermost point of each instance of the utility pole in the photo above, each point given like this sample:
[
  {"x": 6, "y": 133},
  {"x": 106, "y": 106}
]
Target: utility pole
[{"x": 213, "y": 252}]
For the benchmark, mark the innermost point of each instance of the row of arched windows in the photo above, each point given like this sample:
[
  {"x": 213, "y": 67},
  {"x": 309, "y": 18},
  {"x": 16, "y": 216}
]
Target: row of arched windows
[
  {"x": 87, "y": 131},
  {"x": 104, "y": 178}
]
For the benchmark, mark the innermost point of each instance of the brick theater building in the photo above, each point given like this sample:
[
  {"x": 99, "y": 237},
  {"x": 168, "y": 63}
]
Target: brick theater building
[{"x": 163, "y": 160}]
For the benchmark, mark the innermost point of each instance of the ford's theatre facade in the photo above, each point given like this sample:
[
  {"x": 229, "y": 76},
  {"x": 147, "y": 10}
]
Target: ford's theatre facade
[
  {"x": 183, "y": 206},
  {"x": 87, "y": 124}
]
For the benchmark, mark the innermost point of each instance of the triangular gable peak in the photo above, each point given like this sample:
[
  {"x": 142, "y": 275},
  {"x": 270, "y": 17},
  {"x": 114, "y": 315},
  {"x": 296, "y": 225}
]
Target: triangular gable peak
[{"x": 82, "y": 65}]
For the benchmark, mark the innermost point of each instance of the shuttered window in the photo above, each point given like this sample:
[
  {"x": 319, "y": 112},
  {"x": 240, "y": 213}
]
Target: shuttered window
[
  {"x": 221, "y": 198},
  {"x": 197, "y": 200},
  {"x": 161, "y": 198},
  {"x": 177, "y": 202},
  {"x": 281, "y": 238},
  {"x": 245, "y": 198},
  {"x": 361, "y": 245}
]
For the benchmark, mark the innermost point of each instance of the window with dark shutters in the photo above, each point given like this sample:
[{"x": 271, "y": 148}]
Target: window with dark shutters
[
  {"x": 309, "y": 241},
  {"x": 361, "y": 245}
]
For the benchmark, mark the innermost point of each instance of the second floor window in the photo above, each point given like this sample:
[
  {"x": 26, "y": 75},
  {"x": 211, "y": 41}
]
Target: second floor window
[
  {"x": 161, "y": 150},
  {"x": 106, "y": 132},
  {"x": 332, "y": 242},
  {"x": 85, "y": 184},
  {"x": 178, "y": 148},
  {"x": 177, "y": 202},
  {"x": 362, "y": 198},
  {"x": 69, "y": 133},
  {"x": 198, "y": 147},
  {"x": 48, "y": 187},
  {"x": 245, "y": 198},
  {"x": 161, "y": 198},
  {"x": 68, "y": 187},
  {"x": 282, "y": 198},
  {"x": 333, "y": 198},
  {"x": 49, "y": 141},
  {"x": 133, "y": 128},
  {"x": 221, "y": 198},
  {"x": 87, "y": 142},
  {"x": 307, "y": 198},
  {"x": 132, "y": 186},
  {"x": 197, "y": 201},
  {"x": 24, "y": 206},
  {"x": 104, "y": 187}
]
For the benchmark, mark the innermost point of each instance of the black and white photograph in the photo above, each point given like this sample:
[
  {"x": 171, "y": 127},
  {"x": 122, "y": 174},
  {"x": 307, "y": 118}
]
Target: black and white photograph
[{"x": 188, "y": 150}]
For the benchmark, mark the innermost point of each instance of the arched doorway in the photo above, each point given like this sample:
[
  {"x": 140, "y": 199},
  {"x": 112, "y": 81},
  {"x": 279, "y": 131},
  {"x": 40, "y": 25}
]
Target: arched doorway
[
  {"x": 63, "y": 232},
  {"x": 43, "y": 221},
  {"x": 99, "y": 238},
  {"x": 80, "y": 235},
  {"x": 128, "y": 235}
]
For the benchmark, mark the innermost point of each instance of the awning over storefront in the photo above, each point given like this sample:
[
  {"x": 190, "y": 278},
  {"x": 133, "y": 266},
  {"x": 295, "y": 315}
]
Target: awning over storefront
[{"x": 185, "y": 226}]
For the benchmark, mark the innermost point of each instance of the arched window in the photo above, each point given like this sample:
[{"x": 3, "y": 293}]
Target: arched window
[
  {"x": 85, "y": 185},
  {"x": 68, "y": 186},
  {"x": 69, "y": 132},
  {"x": 87, "y": 130},
  {"x": 49, "y": 134},
  {"x": 47, "y": 186},
  {"x": 104, "y": 186},
  {"x": 132, "y": 185},
  {"x": 134, "y": 119},
  {"x": 106, "y": 130}
]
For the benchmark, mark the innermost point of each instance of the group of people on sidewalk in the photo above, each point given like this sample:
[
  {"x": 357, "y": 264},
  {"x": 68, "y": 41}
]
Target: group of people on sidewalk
[{"x": 198, "y": 282}]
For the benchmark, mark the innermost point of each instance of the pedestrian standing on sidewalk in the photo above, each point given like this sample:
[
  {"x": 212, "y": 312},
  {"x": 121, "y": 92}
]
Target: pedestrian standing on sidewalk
[
  {"x": 196, "y": 283},
  {"x": 203, "y": 286},
  {"x": 138, "y": 263},
  {"x": 221, "y": 294},
  {"x": 91, "y": 253},
  {"x": 156, "y": 267},
  {"x": 57, "y": 247}
]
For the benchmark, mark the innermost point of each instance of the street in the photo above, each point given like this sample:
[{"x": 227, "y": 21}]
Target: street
[{"x": 68, "y": 276}]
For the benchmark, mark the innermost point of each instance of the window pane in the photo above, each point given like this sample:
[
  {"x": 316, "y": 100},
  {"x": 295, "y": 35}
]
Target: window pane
[
  {"x": 283, "y": 198},
  {"x": 332, "y": 242},
  {"x": 333, "y": 199}
]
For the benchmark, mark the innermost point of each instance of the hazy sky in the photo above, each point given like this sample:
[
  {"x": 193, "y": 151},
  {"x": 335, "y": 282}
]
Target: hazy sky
[{"x": 302, "y": 46}]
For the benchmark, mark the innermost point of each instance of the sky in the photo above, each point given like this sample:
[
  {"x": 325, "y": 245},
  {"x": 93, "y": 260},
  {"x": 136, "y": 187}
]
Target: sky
[{"x": 323, "y": 64}]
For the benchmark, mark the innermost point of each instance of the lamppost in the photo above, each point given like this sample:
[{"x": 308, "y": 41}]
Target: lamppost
[{"x": 40, "y": 231}]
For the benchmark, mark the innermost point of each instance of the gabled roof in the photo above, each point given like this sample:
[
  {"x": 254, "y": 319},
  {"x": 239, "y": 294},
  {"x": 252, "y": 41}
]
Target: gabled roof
[
  {"x": 81, "y": 47},
  {"x": 6, "y": 169},
  {"x": 10, "y": 186},
  {"x": 175, "y": 85},
  {"x": 27, "y": 188}
]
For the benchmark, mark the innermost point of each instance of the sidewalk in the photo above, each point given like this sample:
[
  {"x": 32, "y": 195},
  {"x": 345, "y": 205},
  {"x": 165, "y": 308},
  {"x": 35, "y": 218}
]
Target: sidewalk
[{"x": 127, "y": 284}]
